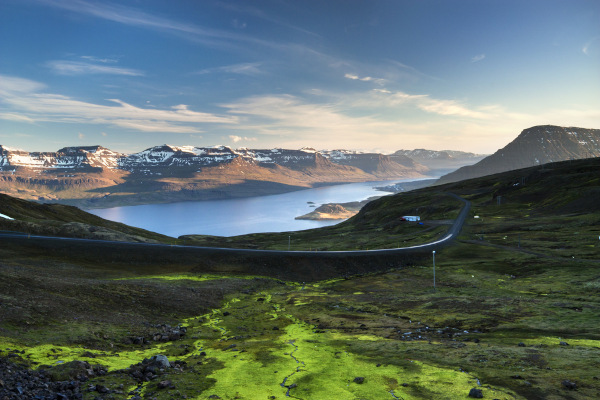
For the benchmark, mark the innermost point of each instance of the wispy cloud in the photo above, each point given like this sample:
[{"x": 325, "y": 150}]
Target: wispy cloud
[
  {"x": 16, "y": 117},
  {"x": 26, "y": 99},
  {"x": 242, "y": 69},
  {"x": 477, "y": 58},
  {"x": 379, "y": 81},
  {"x": 258, "y": 13},
  {"x": 135, "y": 17},
  {"x": 236, "y": 139},
  {"x": 64, "y": 67},
  {"x": 100, "y": 60},
  {"x": 586, "y": 47},
  {"x": 388, "y": 99}
]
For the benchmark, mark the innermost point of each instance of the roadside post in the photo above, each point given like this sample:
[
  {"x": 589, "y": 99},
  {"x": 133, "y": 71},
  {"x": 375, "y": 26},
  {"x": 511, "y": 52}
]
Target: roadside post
[{"x": 433, "y": 270}]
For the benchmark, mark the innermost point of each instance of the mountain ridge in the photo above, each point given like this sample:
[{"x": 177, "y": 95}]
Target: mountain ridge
[
  {"x": 95, "y": 176},
  {"x": 537, "y": 145}
]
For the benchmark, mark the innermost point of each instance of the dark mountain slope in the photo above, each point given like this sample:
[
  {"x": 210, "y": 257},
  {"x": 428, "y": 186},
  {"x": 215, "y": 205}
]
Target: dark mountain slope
[{"x": 534, "y": 146}]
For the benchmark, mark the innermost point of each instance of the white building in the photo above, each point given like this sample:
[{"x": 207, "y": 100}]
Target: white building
[{"x": 413, "y": 218}]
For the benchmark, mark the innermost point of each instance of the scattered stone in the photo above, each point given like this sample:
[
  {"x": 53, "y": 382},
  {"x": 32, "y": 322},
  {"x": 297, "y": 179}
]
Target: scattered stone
[
  {"x": 102, "y": 389},
  {"x": 476, "y": 393},
  {"x": 164, "y": 384},
  {"x": 563, "y": 343},
  {"x": 275, "y": 328},
  {"x": 359, "y": 380},
  {"x": 569, "y": 385},
  {"x": 213, "y": 396}
]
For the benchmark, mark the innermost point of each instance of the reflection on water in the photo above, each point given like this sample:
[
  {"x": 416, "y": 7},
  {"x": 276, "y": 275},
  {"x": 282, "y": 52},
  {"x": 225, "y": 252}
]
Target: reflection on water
[{"x": 274, "y": 213}]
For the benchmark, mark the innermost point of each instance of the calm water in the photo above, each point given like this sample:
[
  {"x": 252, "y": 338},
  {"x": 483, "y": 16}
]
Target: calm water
[{"x": 274, "y": 213}]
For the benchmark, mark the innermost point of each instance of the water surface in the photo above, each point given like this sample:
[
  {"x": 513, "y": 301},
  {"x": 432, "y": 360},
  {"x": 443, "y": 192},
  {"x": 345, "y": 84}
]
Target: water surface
[{"x": 273, "y": 213}]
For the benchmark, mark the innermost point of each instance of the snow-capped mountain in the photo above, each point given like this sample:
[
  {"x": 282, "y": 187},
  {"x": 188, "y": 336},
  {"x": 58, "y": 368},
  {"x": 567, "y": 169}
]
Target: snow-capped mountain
[
  {"x": 95, "y": 176},
  {"x": 534, "y": 146},
  {"x": 66, "y": 158},
  {"x": 168, "y": 156}
]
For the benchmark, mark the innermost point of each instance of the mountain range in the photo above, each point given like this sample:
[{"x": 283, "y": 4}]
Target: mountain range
[
  {"x": 94, "y": 176},
  {"x": 439, "y": 162},
  {"x": 534, "y": 146}
]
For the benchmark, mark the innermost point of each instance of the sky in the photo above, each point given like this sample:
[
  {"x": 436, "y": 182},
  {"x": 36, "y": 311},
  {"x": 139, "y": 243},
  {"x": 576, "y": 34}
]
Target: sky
[{"x": 364, "y": 75}]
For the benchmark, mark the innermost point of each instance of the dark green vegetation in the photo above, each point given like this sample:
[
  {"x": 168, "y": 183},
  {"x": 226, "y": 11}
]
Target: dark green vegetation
[
  {"x": 517, "y": 308},
  {"x": 68, "y": 221},
  {"x": 377, "y": 226}
]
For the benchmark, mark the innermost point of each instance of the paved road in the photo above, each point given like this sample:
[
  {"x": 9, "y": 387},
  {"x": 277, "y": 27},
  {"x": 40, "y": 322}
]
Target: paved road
[{"x": 451, "y": 234}]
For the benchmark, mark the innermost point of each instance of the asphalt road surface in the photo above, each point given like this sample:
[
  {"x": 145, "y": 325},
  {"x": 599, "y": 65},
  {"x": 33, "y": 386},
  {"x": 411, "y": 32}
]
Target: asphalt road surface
[{"x": 61, "y": 241}]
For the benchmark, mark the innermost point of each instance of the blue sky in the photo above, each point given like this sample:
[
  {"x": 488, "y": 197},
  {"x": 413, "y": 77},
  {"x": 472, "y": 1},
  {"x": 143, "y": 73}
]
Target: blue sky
[{"x": 364, "y": 75}]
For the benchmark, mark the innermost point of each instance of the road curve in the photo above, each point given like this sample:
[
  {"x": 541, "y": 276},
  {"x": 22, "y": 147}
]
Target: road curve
[{"x": 450, "y": 235}]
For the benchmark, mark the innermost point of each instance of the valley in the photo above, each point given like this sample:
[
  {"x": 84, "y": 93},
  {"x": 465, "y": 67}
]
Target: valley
[{"x": 514, "y": 313}]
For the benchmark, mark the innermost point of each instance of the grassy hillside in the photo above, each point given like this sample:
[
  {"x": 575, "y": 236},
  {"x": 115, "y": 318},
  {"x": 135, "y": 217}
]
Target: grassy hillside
[
  {"x": 541, "y": 206},
  {"x": 514, "y": 313},
  {"x": 68, "y": 221}
]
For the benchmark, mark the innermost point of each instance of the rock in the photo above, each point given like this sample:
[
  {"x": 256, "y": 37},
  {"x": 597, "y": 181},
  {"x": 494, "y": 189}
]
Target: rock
[
  {"x": 164, "y": 384},
  {"x": 359, "y": 380},
  {"x": 476, "y": 393},
  {"x": 213, "y": 396},
  {"x": 569, "y": 385},
  {"x": 161, "y": 361},
  {"x": 563, "y": 343},
  {"x": 226, "y": 313},
  {"x": 102, "y": 389},
  {"x": 521, "y": 344}
]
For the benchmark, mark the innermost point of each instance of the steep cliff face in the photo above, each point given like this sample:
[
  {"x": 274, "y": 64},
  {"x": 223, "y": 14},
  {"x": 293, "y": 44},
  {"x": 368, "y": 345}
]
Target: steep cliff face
[{"x": 534, "y": 146}]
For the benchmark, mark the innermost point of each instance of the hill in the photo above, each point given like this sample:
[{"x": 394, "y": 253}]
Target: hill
[
  {"x": 534, "y": 146},
  {"x": 67, "y": 221}
]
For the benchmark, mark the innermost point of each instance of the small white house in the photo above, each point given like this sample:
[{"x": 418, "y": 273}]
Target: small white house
[{"x": 413, "y": 218}]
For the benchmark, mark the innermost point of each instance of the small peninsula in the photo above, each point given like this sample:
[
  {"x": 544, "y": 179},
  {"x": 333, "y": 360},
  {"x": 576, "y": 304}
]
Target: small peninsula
[{"x": 331, "y": 211}]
